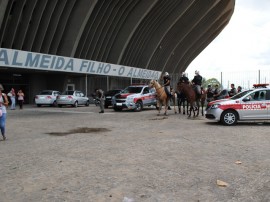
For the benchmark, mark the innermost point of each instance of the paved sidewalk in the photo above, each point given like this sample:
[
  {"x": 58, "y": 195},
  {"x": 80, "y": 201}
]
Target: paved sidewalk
[{"x": 77, "y": 154}]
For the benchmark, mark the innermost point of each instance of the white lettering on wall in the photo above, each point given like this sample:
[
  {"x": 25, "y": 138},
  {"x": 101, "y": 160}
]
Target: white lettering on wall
[{"x": 31, "y": 60}]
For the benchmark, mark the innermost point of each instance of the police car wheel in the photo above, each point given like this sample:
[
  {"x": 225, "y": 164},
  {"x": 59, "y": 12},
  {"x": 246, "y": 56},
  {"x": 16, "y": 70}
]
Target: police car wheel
[
  {"x": 75, "y": 104},
  {"x": 229, "y": 118},
  {"x": 138, "y": 106}
]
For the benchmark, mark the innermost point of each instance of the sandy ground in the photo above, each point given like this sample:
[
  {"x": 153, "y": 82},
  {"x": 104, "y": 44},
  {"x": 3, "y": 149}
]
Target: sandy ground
[{"x": 68, "y": 154}]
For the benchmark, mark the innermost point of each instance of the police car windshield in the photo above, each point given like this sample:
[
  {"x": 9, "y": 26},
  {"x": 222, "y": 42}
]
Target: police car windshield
[
  {"x": 239, "y": 95},
  {"x": 133, "y": 89}
]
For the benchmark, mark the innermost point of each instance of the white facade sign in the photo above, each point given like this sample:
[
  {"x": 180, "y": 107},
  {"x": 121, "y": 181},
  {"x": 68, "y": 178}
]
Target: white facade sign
[{"x": 31, "y": 60}]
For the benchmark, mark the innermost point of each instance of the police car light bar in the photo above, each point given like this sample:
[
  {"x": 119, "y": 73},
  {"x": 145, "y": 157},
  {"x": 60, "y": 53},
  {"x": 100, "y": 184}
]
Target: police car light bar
[{"x": 261, "y": 85}]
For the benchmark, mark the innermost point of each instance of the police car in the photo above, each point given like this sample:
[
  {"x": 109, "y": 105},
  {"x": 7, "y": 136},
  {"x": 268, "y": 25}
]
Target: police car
[
  {"x": 134, "y": 97},
  {"x": 249, "y": 105}
]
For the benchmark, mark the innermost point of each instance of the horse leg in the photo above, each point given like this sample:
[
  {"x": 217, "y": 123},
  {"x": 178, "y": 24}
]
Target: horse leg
[
  {"x": 174, "y": 102},
  {"x": 187, "y": 106},
  {"x": 198, "y": 105},
  {"x": 190, "y": 109},
  {"x": 202, "y": 104},
  {"x": 159, "y": 107},
  {"x": 166, "y": 107},
  {"x": 179, "y": 105},
  {"x": 183, "y": 105}
]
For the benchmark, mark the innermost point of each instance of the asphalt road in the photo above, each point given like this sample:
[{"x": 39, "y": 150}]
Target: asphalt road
[{"x": 77, "y": 154}]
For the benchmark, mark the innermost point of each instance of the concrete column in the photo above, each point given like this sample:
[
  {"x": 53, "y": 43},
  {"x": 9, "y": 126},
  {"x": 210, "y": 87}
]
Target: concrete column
[{"x": 3, "y": 6}]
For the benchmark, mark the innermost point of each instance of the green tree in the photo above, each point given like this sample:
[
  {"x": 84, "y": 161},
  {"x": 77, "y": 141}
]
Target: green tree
[{"x": 212, "y": 82}]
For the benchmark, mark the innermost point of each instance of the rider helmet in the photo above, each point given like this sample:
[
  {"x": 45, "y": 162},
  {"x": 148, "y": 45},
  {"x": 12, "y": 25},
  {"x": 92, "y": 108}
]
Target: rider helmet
[
  {"x": 184, "y": 74},
  {"x": 166, "y": 74},
  {"x": 197, "y": 72}
]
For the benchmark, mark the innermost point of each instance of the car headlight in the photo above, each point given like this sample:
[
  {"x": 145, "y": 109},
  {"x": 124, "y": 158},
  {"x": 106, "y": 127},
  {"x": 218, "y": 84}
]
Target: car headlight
[
  {"x": 129, "y": 99},
  {"x": 215, "y": 106}
]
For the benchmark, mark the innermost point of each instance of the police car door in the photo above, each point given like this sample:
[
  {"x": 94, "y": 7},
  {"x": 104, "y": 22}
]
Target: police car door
[
  {"x": 256, "y": 106},
  {"x": 153, "y": 96},
  {"x": 146, "y": 96}
]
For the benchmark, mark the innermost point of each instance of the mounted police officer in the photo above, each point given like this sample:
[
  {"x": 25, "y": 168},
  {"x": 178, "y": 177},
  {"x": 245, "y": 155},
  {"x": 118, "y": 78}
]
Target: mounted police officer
[
  {"x": 184, "y": 78},
  {"x": 197, "y": 81},
  {"x": 167, "y": 84}
]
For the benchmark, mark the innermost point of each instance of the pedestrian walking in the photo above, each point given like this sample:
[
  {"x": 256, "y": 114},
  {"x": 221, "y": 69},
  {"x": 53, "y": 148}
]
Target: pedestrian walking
[
  {"x": 20, "y": 98},
  {"x": 101, "y": 98},
  {"x": 3, "y": 111},
  {"x": 12, "y": 96}
]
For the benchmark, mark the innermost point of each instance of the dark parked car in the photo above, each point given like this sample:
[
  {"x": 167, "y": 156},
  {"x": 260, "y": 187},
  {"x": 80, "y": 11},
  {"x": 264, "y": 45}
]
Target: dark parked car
[{"x": 108, "y": 97}]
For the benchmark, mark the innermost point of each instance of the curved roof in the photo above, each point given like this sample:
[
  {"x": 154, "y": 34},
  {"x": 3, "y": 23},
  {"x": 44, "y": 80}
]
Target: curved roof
[{"x": 163, "y": 35}]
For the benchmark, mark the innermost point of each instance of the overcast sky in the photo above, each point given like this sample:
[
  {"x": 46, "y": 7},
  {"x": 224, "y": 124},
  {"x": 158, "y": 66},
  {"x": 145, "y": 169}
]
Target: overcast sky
[{"x": 244, "y": 44}]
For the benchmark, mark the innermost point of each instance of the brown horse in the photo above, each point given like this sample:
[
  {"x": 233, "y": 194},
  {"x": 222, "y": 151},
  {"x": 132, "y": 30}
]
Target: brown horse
[
  {"x": 193, "y": 99},
  {"x": 162, "y": 97},
  {"x": 203, "y": 99},
  {"x": 182, "y": 101}
]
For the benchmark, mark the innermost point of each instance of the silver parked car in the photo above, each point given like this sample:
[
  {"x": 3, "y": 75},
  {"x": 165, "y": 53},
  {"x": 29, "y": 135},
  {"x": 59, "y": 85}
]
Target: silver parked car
[
  {"x": 47, "y": 97},
  {"x": 72, "y": 97}
]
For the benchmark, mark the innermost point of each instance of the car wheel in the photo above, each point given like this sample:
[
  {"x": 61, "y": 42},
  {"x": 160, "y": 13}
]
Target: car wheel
[
  {"x": 138, "y": 106},
  {"x": 229, "y": 117},
  {"x": 87, "y": 103},
  {"x": 106, "y": 106},
  {"x": 75, "y": 104},
  {"x": 38, "y": 105},
  {"x": 59, "y": 105},
  {"x": 54, "y": 104}
]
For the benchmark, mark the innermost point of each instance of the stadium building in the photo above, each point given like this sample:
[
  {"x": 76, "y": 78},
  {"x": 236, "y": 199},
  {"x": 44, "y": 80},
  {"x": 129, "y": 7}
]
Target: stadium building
[{"x": 85, "y": 44}]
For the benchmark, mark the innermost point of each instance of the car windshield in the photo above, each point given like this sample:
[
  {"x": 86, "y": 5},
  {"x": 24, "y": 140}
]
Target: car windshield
[
  {"x": 239, "y": 95},
  {"x": 69, "y": 92},
  {"x": 132, "y": 89},
  {"x": 46, "y": 92},
  {"x": 112, "y": 92}
]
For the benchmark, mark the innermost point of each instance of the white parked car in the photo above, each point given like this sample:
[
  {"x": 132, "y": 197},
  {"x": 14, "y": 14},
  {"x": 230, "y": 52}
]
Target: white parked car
[
  {"x": 73, "y": 98},
  {"x": 250, "y": 105},
  {"x": 47, "y": 97}
]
